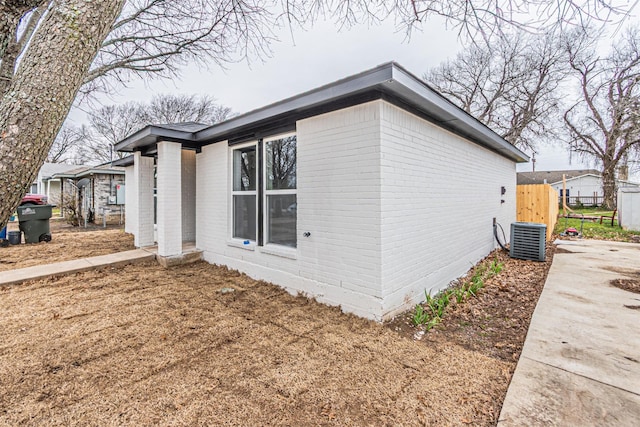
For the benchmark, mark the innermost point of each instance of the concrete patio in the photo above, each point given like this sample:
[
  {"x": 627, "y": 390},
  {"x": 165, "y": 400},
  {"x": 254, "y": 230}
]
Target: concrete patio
[{"x": 580, "y": 365}]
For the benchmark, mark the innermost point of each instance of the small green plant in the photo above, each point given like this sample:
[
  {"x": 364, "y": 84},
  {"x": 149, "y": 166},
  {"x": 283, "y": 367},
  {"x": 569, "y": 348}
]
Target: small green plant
[
  {"x": 474, "y": 288},
  {"x": 496, "y": 267},
  {"x": 420, "y": 315},
  {"x": 430, "y": 313},
  {"x": 431, "y": 323}
]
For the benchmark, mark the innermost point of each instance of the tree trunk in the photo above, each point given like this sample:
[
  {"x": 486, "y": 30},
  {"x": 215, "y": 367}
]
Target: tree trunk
[
  {"x": 609, "y": 186},
  {"x": 43, "y": 88},
  {"x": 10, "y": 14}
]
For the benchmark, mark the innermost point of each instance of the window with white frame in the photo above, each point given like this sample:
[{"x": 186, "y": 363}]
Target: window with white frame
[
  {"x": 280, "y": 190},
  {"x": 244, "y": 193},
  {"x": 264, "y": 192}
]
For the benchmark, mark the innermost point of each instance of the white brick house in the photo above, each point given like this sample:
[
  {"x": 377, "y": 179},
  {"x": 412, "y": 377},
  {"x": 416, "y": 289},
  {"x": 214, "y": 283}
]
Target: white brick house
[{"x": 363, "y": 193}]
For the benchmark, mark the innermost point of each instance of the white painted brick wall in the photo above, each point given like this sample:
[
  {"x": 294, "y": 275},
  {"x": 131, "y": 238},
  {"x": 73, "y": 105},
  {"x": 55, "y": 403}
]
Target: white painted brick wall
[
  {"x": 440, "y": 194},
  {"x": 169, "y": 184},
  {"x": 143, "y": 173},
  {"x": 338, "y": 203},
  {"x": 131, "y": 201},
  {"x": 211, "y": 194},
  {"x": 394, "y": 206},
  {"x": 188, "y": 195}
]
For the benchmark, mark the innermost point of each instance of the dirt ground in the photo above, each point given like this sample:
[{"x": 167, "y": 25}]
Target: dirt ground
[
  {"x": 66, "y": 243},
  {"x": 202, "y": 345}
]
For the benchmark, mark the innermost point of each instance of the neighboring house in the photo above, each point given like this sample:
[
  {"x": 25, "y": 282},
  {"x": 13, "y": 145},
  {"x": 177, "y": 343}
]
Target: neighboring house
[
  {"x": 45, "y": 184},
  {"x": 363, "y": 193},
  {"x": 582, "y": 185},
  {"x": 93, "y": 191}
]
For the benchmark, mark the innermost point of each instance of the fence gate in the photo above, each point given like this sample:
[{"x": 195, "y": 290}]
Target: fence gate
[{"x": 537, "y": 203}]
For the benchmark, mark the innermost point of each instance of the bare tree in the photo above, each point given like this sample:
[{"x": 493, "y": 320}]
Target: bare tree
[
  {"x": 185, "y": 108},
  {"x": 47, "y": 59},
  {"x": 108, "y": 125},
  {"x": 158, "y": 37},
  {"x": 64, "y": 147},
  {"x": 12, "y": 42},
  {"x": 112, "y": 123},
  {"x": 510, "y": 84},
  {"x": 37, "y": 99},
  {"x": 604, "y": 122}
]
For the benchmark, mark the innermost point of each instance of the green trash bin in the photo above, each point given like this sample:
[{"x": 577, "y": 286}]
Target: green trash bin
[{"x": 34, "y": 222}]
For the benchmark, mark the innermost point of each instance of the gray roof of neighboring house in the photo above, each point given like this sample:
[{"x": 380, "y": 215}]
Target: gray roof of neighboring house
[
  {"x": 551, "y": 177},
  {"x": 389, "y": 81},
  {"x": 81, "y": 171},
  {"x": 49, "y": 169}
]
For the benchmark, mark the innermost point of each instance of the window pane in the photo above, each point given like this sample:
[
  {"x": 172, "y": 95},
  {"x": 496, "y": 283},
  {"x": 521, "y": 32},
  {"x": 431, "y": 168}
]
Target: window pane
[
  {"x": 244, "y": 217},
  {"x": 281, "y": 219},
  {"x": 244, "y": 169},
  {"x": 281, "y": 163}
]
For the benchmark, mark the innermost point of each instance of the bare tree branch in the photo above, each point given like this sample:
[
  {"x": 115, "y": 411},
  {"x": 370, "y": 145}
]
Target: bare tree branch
[
  {"x": 510, "y": 84},
  {"x": 112, "y": 123},
  {"x": 604, "y": 122},
  {"x": 65, "y": 146}
]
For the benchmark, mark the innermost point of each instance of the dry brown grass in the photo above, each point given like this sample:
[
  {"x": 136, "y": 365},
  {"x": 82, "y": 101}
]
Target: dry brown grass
[
  {"x": 142, "y": 345},
  {"x": 67, "y": 243}
]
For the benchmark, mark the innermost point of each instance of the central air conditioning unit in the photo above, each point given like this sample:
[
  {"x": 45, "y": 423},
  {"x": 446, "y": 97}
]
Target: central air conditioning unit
[{"x": 528, "y": 241}]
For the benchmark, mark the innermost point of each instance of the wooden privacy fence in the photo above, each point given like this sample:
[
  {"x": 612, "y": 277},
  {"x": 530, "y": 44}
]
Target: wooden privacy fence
[{"x": 537, "y": 203}]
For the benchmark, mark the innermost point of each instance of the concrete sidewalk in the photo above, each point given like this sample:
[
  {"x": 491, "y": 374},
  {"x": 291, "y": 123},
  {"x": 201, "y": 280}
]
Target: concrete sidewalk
[
  {"x": 580, "y": 365},
  {"x": 12, "y": 277}
]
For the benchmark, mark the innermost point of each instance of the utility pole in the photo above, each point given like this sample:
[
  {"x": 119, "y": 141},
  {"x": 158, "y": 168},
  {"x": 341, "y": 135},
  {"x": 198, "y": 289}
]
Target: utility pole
[{"x": 533, "y": 161}]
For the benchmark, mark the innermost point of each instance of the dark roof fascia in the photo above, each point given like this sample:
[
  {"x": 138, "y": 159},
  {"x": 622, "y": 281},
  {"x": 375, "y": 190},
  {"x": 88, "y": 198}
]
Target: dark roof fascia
[
  {"x": 418, "y": 94},
  {"x": 183, "y": 126},
  {"x": 150, "y": 135},
  {"x": 330, "y": 93},
  {"x": 388, "y": 81},
  {"x": 287, "y": 122}
]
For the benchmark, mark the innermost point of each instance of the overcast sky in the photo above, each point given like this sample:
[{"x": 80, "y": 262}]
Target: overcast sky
[{"x": 308, "y": 59}]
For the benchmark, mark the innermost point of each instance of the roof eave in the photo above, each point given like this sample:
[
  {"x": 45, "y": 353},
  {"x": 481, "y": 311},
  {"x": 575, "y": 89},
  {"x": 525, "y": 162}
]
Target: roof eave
[
  {"x": 388, "y": 78},
  {"x": 449, "y": 115},
  {"x": 151, "y": 134},
  {"x": 350, "y": 86}
]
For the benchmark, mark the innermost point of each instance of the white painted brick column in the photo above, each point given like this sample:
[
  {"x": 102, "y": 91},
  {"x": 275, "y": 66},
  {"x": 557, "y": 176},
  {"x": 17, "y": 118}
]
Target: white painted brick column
[
  {"x": 131, "y": 201},
  {"x": 143, "y": 176},
  {"x": 169, "y": 183}
]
